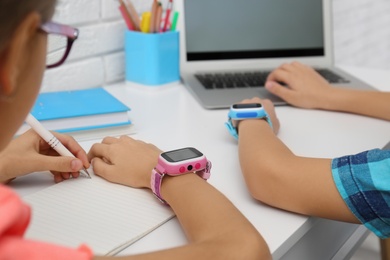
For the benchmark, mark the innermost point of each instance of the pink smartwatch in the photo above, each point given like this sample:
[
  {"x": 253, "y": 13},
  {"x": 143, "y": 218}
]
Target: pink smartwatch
[{"x": 178, "y": 162}]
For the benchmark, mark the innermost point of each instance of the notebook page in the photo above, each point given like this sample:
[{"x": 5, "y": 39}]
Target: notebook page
[{"x": 107, "y": 217}]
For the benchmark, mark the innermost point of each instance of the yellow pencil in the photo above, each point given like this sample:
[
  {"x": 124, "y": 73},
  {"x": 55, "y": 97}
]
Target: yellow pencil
[{"x": 145, "y": 22}]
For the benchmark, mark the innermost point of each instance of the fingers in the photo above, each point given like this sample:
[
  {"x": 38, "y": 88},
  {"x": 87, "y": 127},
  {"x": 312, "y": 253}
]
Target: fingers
[
  {"x": 279, "y": 75},
  {"x": 102, "y": 169},
  {"x": 270, "y": 108},
  {"x": 279, "y": 90},
  {"x": 100, "y": 150},
  {"x": 57, "y": 164},
  {"x": 61, "y": 176},
  {"x": 64, "y": 167},
  {"x": 58, "y": 178},
  {"x": 109, "y": 140},
  {"x": 103, "y": 150},
  {"x": 285, "y": 72},
  {"x": 268, "y": 105},
  {"x": 74, "y": 147},
  {"x": 251, "y": 100}
]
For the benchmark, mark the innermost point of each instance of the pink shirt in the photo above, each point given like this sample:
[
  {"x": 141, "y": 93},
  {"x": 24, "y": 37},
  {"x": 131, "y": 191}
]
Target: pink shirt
[{"x": 14, "y": 219}]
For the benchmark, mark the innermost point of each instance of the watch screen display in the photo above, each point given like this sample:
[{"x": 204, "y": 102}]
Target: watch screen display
[
  {"x": 181, "y": 154},
  {"x": 251, "y": 105}
]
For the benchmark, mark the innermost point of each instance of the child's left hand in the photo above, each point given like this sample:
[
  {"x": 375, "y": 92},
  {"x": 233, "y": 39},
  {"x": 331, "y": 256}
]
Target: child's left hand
[
  {"x": 269, "y": 107},
  {"x": 124, "y": 160},
  {"x": 30, "y": 153}
]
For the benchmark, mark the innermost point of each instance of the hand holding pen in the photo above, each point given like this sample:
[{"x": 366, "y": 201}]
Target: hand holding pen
[
  {"x": 29, "y": 153},
  {"x": 62, "y": 167}
]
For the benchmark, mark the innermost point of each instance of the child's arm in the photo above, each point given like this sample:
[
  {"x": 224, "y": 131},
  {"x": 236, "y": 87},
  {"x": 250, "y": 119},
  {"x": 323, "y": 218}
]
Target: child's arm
[
  {"x": 307, "y": 89},
  {"x": 214, "y": 227},
  {"x": 275, "y": 176}
]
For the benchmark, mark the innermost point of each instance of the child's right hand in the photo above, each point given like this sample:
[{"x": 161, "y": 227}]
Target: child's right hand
[
  {"x": 305, "y": 87},
  {"x": 30, "y": 153}
]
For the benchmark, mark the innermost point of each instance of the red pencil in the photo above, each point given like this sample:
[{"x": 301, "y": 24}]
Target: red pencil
[
  {"x": 126, "y": 17},
  {"x": 133, "y": 14},
  {"x": 167, "y": 14}
]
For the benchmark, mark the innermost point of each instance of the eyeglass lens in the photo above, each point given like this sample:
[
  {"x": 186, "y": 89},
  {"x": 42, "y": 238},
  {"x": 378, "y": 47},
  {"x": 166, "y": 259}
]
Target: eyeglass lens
[{"x": 56, "y": 48}]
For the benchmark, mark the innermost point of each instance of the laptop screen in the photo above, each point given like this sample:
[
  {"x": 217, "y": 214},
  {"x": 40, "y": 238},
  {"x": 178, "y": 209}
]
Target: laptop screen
[{"x": 244, "y": 29}]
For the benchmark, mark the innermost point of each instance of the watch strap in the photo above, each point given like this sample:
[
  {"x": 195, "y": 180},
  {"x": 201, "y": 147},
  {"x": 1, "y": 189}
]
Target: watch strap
[
  {"x": 205, "y": 173},
  {"x": 157, "y": 178},
  {"x": 268, "y": 119},
  {"x": 155, "y": 185},
  {"x": 233, "y": 130}
]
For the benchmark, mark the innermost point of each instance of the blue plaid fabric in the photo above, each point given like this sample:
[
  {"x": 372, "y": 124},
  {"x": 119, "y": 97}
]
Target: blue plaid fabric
[{"x": 363, "y": 181}]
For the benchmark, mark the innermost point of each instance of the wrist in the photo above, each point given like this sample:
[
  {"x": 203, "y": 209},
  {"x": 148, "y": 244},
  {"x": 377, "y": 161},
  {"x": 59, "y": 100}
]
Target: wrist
[
  {"x": 253, "y": 124},
  {"x": 5, "y": 177},
  {"x": 146, "y": 181},
  {"x": 330, "y": 99},
  {"x": 171, "y": 184},
  {"x": 243, "y": 112},
  {"x": 257, "y": 121}
]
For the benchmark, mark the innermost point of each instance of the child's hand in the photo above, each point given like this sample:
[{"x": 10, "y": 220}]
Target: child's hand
[
  {"x": 30, "y": 153},
  {"x": 305, "y": 87},
  {"x": 124, "y": 160},
  {"x": 269, "y": 107}
]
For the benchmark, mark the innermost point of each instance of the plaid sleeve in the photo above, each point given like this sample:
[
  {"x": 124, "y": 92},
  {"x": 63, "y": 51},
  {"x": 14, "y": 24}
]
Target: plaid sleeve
[{"x": 363, "y": 181}]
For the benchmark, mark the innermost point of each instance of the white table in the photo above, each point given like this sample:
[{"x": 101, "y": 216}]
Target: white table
[{"x": 170, "y": 118}]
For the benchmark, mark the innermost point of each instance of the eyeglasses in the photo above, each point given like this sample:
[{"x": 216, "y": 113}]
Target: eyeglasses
[{"x": 60, "y": 41}]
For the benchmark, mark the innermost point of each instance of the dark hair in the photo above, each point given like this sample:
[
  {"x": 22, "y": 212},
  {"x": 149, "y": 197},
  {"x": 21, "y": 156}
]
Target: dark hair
[{"x": 12, "y": 12}]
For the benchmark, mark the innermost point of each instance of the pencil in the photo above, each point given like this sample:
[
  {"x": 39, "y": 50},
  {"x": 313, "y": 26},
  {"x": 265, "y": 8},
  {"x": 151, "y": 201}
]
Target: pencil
[
  {"x": 126, "y": 16},
  {"x": 133, "y": 14},
  {"x": 158, "y": 18},
  {"x": 174, "y": 21},
  {"x": 145, "y": 22},
  {"x": 167, "y": 15},
  {"x": 153, "y": 17}
]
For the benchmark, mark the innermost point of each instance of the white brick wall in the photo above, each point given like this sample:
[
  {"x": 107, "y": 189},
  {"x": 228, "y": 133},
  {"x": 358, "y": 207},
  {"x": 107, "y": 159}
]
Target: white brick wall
[
  {"x": 362, "y": 32},
  {"x": 361, "y": 29},
  {"x": 97, "y": 57}
]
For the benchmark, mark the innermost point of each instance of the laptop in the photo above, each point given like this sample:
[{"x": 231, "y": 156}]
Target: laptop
[{"x": 228, "y": 47}]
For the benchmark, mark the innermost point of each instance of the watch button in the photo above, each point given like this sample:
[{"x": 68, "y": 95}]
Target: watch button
[
  {"x": 182, "y": 169},
  {"x": 197, "y": 166}
]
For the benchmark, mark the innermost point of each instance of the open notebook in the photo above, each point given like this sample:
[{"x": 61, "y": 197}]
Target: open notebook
[{"x": 107, "y": 217}]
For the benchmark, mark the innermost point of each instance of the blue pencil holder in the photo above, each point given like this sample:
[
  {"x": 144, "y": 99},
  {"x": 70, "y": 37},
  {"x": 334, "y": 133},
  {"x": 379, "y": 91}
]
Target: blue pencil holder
[{"x": 152, "y": 58}]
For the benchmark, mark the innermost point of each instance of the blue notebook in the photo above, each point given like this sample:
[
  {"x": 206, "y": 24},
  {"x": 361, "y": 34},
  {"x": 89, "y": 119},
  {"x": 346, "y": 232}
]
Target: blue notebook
[{"x": 69, "y": 111}]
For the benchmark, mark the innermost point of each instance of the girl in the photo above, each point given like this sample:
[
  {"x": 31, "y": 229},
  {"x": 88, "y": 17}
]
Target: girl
[{"x": 24, "y": 28}]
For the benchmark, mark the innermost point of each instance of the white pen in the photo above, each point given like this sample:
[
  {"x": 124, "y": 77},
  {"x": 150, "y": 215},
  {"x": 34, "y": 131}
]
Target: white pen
[{"x": 51, "y": 139}]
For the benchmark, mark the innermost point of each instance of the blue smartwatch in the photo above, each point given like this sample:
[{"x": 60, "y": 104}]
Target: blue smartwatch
[{"x": 245, "y": 111}]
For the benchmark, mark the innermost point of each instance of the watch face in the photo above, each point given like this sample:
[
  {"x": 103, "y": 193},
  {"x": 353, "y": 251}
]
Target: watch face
[
  {"x": 181, "y": 154},
  {"x": 251, "y": 105}
]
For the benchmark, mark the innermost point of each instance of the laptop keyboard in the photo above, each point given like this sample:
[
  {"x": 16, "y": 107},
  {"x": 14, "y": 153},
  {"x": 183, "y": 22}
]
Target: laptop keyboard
[{"x": 251, "y": 79}]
